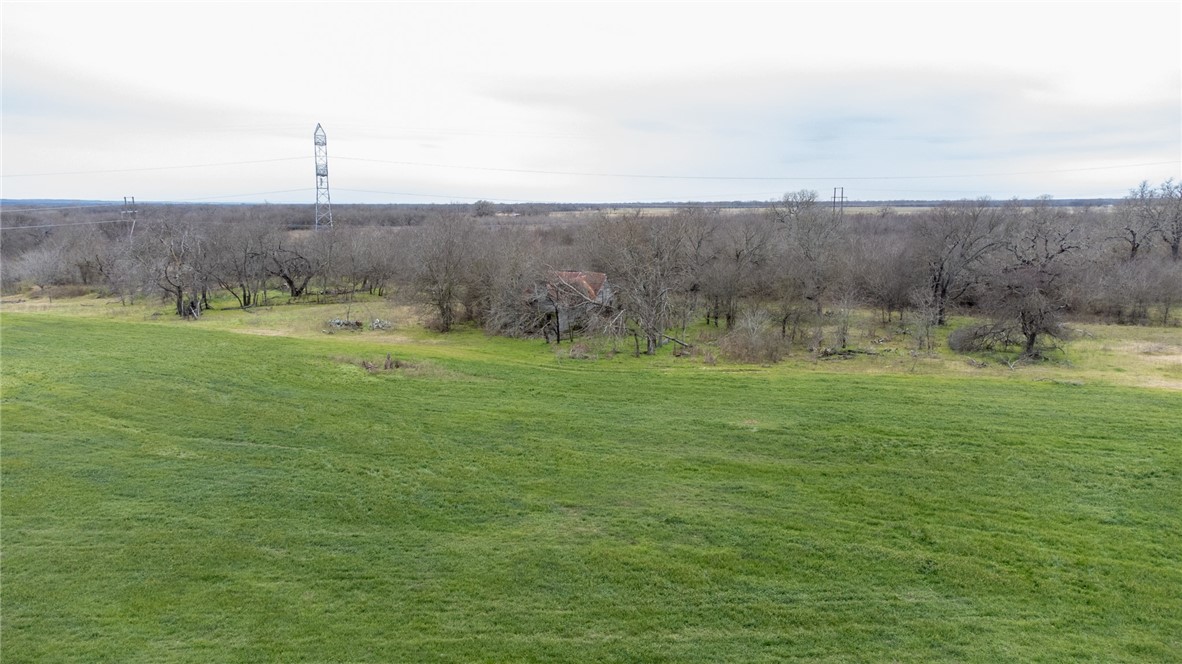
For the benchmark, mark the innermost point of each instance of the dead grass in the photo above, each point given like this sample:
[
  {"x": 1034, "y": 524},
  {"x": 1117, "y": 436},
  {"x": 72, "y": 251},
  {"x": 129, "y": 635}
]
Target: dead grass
[
  {"x": 1113, "y": 354},
  {"x": 417, "y": 368}
]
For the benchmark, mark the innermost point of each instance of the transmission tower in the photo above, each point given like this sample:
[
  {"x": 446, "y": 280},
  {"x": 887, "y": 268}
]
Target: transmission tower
[
  {"x": 839, "y": 202},
  {"x": 323, "y": 202}
]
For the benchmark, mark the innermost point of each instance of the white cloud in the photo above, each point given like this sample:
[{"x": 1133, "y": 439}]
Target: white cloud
[{"x": 793, "y": 90}]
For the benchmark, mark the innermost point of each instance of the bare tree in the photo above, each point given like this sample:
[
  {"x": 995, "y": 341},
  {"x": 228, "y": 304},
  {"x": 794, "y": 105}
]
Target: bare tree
[
  {"x": 647, "y": 261},
  {"x": 42, "y": 266},
  {"x": 171, "y": 253},
  {"x": 794, "y": 206},
  {"x": 484, "y": 208},
  {"x": 924, "y": 303},
  {"x": 239, "y": 255},
  {"x": 1170, "y": 197},
  {"x": 753, "y": 339},
  {"x": 122, "y": 273},
  {"x": 808, "y": 267},
  {"x": 953, "y": 242},
  {"x": 1169, "y": 289},
  {"x": 884, "y": 266},
  {"x": 700, "y": 232},
  {"x": 1138, "y": 220},
  {"x": 441, "y": 253},
  {"x": 1025, "y": 293},
  {"x": 377, "y": 248},
  {"x": 295, "y": 259},
  {"x": 504, "y": 269},
  {"x": 516, "y": 271},
  {"x": 739, "y": 267}
]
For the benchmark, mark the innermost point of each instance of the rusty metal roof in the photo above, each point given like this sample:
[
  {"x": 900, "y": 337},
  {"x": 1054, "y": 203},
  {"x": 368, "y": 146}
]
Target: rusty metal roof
[{"x": 588, "y": 284}]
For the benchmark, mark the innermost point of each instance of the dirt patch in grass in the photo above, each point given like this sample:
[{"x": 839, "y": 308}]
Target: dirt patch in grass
[
  {"x": 1153, "y": 348},
  {"x": 1174, "y": 358},
  {"x": 265, "y": 333},
  {"x": 1164, "y": 383},
  {"x": 1160, "y": 363},
  {"x": 400, "y": 367}
]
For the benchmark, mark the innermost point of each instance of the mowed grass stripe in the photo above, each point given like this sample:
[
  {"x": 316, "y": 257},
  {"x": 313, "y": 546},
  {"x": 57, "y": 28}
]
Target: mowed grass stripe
[{"x": 172, "y": 493}]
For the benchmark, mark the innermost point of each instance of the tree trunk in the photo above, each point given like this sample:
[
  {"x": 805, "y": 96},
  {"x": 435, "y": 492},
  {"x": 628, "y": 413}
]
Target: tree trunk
[
  {"x": 557, "y": 324},
  {"x": 1031, "y": 339}
]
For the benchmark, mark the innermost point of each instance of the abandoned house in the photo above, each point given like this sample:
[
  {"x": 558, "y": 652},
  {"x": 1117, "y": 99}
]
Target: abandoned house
[{"x": 569, "y": 299}]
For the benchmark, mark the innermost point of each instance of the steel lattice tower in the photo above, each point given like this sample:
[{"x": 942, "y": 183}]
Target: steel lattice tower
[{"x": 323, "y": 201}]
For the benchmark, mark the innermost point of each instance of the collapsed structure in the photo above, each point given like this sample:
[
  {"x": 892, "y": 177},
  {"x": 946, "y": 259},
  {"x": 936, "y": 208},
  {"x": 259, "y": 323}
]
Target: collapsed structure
[{"x": 569, "y": 300}]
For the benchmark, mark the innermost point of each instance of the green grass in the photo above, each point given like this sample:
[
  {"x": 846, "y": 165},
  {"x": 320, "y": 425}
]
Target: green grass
[{"x": 182, "y": 492}]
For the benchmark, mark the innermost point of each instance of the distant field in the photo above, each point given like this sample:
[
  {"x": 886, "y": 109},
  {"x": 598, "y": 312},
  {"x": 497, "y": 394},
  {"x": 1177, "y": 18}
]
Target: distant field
[
  {"x": 854, "y": 208},
  {"x": 658, "y": 211},
  {"x": 179, "y": 491}
]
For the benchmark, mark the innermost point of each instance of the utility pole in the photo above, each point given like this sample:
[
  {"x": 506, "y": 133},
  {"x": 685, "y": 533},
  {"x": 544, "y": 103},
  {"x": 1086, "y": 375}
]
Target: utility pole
[
  {"x": 129, "y": 213},
  {"x": 323, "y": 201},
  {"x": 839, "y": 202}
]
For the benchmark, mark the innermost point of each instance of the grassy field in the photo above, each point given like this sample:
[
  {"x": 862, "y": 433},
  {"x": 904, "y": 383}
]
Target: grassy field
[{"x": 240, "y": 489}]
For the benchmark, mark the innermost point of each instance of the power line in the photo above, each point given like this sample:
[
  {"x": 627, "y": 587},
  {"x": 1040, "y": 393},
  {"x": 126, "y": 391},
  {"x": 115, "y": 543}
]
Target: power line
[
  {"x": 72, "y": 223},
  {"x": 369, "y": 191},
  {"x": 186, "y": 200},
  {"x": 756, "y": 178},
  {"x": 62, "y": 207},
  {"x": 151, "y": 168},
  {"x": 449, "y": 197},
  {"x": 256, "y": 193},
  {"x": 116, "y": 221},
  {"x": 659, "y": 176},
  {"x": 533, "y": 171},
  {"x": 113, "y": 221}
]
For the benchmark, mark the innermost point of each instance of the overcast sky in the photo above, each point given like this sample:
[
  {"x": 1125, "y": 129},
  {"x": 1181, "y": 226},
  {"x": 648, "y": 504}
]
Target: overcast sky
[{"x": 439, "y": 102}]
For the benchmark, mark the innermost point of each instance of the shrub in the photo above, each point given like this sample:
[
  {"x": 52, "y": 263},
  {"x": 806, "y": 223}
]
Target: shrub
[
  {"x": 752, "y": 340},
  {"x": 999, "y": 336},
  {"x": 973, "y": 339}
]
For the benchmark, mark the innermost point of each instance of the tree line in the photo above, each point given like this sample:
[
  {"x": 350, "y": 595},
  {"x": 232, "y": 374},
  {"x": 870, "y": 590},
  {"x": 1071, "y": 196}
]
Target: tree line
[{"x": 789, "y": 274}]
